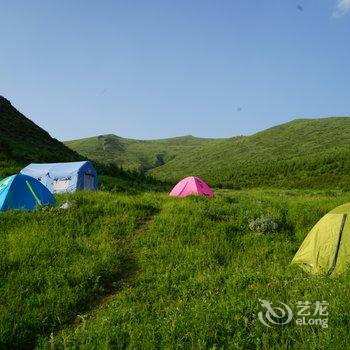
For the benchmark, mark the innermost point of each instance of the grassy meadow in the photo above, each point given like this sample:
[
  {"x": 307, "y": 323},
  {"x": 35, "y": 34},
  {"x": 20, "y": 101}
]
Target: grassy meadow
[{"x": 148, "y": 271}]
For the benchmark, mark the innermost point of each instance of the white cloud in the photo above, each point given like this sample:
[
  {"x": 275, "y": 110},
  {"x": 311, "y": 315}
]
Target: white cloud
[{"x": 343, "y": 6}]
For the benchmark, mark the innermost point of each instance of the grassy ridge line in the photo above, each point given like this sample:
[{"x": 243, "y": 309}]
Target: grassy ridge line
[
  {"x": 302, "y": 153},
  {"x": 202, "y": 273},
  {"x": 299, "y": 154},
  {"x": 135, "y": 154},
  {"x": 55, "y": 264}
]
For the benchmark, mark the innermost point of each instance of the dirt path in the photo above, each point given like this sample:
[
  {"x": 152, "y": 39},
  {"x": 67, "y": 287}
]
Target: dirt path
[
  {"x": 119, "y": 281},
  {"x": 125, "y": 278}
]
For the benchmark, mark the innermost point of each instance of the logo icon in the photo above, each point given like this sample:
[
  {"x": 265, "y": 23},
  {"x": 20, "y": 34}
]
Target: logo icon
[{"x": 274, "y": 315}]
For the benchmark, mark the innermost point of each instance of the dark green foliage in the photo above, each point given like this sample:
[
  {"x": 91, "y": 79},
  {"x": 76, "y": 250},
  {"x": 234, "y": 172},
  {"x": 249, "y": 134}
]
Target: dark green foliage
[
  {"x": 159, "y": 160},
  {"x": 8, "y": 168},
  {"x": 132, "y": 185},
  {"x": 115, "y": 179}
]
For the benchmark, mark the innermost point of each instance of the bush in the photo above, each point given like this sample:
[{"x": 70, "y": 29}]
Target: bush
[{"x": 263, "y": 224}]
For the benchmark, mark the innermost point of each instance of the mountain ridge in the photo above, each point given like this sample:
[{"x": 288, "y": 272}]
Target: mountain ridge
[
  {"x": 299, "y": 153},
  {"x": 309, "y": 146},
  {"x": 133, "y": 153}
]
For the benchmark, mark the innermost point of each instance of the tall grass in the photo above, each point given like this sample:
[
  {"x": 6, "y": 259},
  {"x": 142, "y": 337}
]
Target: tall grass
[
  {"x": 202, "y": 271},
  {"x": 56, "y": 263}
]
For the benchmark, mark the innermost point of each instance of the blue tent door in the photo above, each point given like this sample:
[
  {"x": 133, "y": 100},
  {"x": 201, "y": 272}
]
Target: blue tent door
[{"x": 89, "y": 182}]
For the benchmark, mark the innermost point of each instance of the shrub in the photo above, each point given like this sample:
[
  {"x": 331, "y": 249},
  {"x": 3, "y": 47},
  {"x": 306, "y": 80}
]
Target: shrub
[{"x": 263, "y": 224}]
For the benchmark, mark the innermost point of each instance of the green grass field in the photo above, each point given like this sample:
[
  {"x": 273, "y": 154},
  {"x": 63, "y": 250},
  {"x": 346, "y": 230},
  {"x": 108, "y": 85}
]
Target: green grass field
[{"x": 148, "y": 271}]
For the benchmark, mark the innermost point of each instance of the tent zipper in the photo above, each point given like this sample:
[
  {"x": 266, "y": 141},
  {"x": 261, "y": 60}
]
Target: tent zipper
[{"x": 334, "y": 263}]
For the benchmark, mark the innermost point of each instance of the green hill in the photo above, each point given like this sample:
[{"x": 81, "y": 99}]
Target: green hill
[
  {"x": 136, "y": 154},
  {"x": 22, "y": 141},
  {"x": 301, "y": 153}
]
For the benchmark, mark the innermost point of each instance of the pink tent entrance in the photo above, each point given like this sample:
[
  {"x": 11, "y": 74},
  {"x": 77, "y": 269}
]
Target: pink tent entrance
[{"x": 191, "y": 186}]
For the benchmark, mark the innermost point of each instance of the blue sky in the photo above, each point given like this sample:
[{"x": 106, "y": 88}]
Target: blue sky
[{"x": 160, "y": 68}]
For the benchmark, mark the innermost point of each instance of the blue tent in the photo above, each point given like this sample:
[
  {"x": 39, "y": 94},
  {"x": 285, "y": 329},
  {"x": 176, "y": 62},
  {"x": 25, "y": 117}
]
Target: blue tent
[
  {"x": 23, "y": 192},
  {"x": 64, "y": 177}
]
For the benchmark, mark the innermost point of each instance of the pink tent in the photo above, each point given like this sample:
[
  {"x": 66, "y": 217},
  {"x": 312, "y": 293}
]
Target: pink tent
[{"x": 191, "y": 186}]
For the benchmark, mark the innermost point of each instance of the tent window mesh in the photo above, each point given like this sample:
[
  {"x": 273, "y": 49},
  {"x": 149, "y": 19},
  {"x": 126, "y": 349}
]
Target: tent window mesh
[{"x": 60, "y": 185}]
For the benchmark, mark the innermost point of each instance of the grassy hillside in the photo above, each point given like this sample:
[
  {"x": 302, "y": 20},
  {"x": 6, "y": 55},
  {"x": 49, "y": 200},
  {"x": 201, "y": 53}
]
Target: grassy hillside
[
  {"x": 22, "y": 141},
  {"x": 135, "y": 154},
  {"x": 150, "y": 271},
  {"x": 302, "y": 153}
]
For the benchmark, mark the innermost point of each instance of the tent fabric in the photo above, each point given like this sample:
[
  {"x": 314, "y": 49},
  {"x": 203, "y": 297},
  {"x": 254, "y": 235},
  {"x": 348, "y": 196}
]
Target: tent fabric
[
  {"x": 64, "y": 177},
  {"x": 326, "y": 249},
  {"x": 191, "y": 186},
  {"x": 23, "y": 192}
]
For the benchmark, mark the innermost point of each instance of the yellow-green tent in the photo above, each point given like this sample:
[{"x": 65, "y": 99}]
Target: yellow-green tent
[{"x": 326, "y": 249}]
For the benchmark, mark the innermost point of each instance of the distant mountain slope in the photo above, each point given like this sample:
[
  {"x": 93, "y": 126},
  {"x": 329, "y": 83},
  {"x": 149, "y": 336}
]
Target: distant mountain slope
[
  {"x": 22, "y": 141},
  {"x": 136, "y": 154},
  {"x": 301, "y": 153}
]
